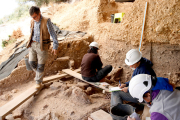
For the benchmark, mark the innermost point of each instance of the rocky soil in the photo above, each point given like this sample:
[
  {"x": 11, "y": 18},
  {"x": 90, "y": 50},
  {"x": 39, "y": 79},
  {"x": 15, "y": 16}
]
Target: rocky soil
[{"x": 70, "y": 99}]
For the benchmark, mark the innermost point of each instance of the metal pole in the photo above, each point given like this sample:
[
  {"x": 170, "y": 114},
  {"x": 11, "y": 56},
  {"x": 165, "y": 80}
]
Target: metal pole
[{"x": 143, "y": 26}]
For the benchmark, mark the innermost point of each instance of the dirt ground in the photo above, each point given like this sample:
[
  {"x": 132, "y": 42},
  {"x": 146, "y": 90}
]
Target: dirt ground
[{"x": 70, "y": 99}]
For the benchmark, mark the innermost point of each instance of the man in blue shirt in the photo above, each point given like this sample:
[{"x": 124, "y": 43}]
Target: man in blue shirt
[
  {"x": 39, "y": 43},
  {"x": 140, "y": 65}
]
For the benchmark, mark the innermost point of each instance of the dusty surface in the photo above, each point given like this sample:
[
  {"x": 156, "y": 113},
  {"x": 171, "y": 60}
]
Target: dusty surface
[{"x": 65, "y": 99}]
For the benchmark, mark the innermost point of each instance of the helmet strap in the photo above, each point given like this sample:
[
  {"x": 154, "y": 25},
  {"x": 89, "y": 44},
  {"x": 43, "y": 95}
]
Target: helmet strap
[{"x": 154, "y": 81}]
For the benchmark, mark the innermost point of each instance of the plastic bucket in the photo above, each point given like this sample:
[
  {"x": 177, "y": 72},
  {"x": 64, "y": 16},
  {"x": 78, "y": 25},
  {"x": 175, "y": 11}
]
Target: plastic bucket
[
  {"x": 121, "y": 111},
  {"x": 28, "y": 67},
  {"x": 112, "y": 18}
]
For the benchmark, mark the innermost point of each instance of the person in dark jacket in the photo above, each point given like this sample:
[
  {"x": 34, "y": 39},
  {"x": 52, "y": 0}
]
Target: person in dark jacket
[
  {"x": 91, "y": 65},
  {"x": 140, "y": 65}
]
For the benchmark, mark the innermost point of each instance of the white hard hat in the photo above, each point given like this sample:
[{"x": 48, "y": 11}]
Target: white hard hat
[
  {"x": 138, "y": 85},
  {"x": 132, "y": 57},
  {"x": 94, "y": 44}
]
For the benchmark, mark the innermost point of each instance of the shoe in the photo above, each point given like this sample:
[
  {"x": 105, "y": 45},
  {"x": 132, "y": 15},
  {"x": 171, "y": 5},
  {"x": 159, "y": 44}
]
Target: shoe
[{"x": 38, "y": 86}]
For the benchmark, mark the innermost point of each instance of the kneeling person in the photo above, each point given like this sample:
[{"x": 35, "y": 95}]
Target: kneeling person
[
  {"x": 163, "y": 100},
  {"x": 91, "y": 65}
]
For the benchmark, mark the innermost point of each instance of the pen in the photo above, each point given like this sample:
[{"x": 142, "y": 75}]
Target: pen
[{"x": 120, "y": 83}]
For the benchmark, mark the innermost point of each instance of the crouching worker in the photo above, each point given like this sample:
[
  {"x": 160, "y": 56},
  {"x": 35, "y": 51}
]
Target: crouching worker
[
  {"x": 91, "y": 65},
  {"x": 164, "y": 102},
  {"x": 140, "y": 65}
]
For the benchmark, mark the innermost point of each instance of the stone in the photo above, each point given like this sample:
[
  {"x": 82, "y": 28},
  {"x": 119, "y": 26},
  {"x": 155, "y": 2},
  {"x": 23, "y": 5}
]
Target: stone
[
  {"x": 89, "y": 90},
  {"x": 68, "y": 92},
  {"x": 45, "y": 116},
  {"x": 159, "y": 29},
  {"x": 72, "y": 113},
  {"x": 55, "y": 85},
  {"x": 115, "y": 74},
  {"x": 44, "y": 107},
  {"x": 80, "y": 96},
  {"x": 52, "y": 94},
  {"x": 100, "y": 115},
  {"x": 71, "y": 64},
  {"x": 6, "y": 97},
  {"x": 82, "y": 85},
  {"x": 27, "y": 112},
  {"x": 54, "y": 116},
  {"x": 17, "y": 113},
  {"x": 49, "y": 116},
  {"x": 14, "y": 91},
  {"x": 9, "y": 117}
]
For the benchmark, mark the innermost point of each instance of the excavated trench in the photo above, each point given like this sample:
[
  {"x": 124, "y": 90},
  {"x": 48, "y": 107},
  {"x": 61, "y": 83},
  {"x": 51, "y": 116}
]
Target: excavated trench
[{"x": 65, "y": 98}]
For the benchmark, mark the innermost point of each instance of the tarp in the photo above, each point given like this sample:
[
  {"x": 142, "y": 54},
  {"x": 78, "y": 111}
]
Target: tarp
[
  {"x": 8, "y": 66},
  {"x": 65, "y": 33}
]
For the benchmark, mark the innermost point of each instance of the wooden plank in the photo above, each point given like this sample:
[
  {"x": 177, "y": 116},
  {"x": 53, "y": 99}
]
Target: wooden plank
[
  {"x": 100, "y": 115},
  {"x": 77, "y": 75},
  {"x": 53, "y": 77},
  {"x": 16, "y": 102}
]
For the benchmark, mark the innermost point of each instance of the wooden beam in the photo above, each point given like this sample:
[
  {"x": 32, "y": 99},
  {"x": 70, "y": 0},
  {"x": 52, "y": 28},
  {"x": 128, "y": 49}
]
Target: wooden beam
[
  {"x": 16, "y": 102},
  {"x": 77, "y": 75}
]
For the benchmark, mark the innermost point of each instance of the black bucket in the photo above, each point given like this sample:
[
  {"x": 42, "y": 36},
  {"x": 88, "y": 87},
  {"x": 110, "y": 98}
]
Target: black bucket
[
  {"x": 121, "y": 111},
  {"x": 28, "y": 67}
]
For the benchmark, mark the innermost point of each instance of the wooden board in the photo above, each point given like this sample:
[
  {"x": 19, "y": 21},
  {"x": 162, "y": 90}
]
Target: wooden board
[
  {"x": 54, "y": 77},
  {"x": 100, "y": 115},
  {"x": 77, "y": 75},
  {"x": 16, "y": 102}
]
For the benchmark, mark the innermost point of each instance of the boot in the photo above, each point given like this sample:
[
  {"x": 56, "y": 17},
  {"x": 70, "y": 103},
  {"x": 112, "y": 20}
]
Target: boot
[{"x": 39, "y": 86}]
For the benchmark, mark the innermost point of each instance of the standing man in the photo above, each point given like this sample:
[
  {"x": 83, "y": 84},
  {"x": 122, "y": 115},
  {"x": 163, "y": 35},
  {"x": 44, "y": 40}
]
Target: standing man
[
  {"x": 91, "y": 65},
  {"x": 39, "y": 43},
  {"x": 140, "y": 65}
]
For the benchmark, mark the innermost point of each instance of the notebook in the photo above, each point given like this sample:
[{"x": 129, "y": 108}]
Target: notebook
[{"x": 114, "y": 89}]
